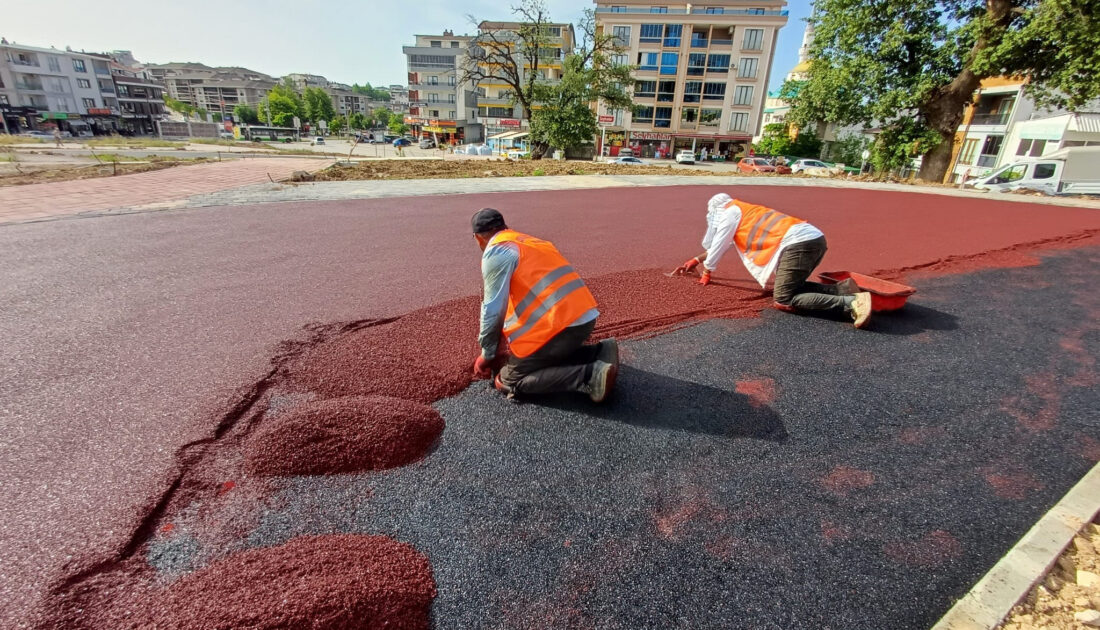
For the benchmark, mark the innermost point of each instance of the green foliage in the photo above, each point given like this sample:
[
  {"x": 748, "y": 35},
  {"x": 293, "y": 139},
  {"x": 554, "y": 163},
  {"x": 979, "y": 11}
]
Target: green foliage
[
  {"x": 912, "y": 66},
  {"x": 217, "y": 117},
  {"x": 358, "y": 121},
  {"x": 318, "y": 105},
  {"x": 337, "y": 124},
  {"x": 374, "y": 94},
  {"x": 179, "y": 106},
  {"x": 245, "y": 114},
  {"x": 899, "y": 143},
  {"x": 849, "y": 149},
  {"x": 776, "y": 140},
  {"x": 539, "y": 172},
  {"x": 381, "y": 117},
  {"x": 397, "y": 124},
  {"x": 281, "y": 105}
]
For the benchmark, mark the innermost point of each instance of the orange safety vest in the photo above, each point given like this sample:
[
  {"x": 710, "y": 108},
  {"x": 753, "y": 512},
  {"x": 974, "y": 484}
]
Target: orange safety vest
[
  {"x": 760, "y": 231},
  {"x": 545, "y": 295}
]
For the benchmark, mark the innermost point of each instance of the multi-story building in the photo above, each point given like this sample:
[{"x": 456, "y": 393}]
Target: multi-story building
[
  {"x": 1003, "y": 124},
  {"x": 140, "y": 101},
  {"x": 501, "y": 117},
  {"x": 344, "y": 101},
  {"x": 399, "y": 98},
  {"x": 217, "y": 90},
  {"x": 702, "y": 72},
  {"x": 46, "y": 88},
  {"x": 438, "y": 104}
]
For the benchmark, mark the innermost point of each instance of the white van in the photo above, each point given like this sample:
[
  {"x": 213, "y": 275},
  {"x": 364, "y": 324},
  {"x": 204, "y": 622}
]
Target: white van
[{"x": 1070, "y": 171}]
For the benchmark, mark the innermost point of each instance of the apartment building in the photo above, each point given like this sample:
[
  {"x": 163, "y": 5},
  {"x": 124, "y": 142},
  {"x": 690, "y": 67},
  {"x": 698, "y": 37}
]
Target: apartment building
[
  {"x": 702, "y": 73},
  {"x": 140, "y": 98},
  {"x": 217, "y": 90},
  {"x": 495, "y": 108},
  {"x": 399, "y": 98},
  {"x": 47, "y": 88},
  {"x": 438, "y": 104}
]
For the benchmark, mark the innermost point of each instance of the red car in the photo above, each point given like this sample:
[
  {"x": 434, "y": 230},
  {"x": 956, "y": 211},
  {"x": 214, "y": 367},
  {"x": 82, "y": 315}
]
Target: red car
[{"x": 755, "y": 165}]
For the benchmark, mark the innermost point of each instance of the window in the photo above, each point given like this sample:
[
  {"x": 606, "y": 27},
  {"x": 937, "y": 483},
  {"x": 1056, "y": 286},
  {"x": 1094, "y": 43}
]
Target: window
[
  {"x": 647, "y": 61},
  {"x": 54, "y": 64},
  {"x": 1044, "y": 171},
  {"x": 1034, "y": 148},
  {"x": 434, "y": 113},
  {"x": 709, "y": 117},
  {"x": 450, "y": 98},
  {"x": 622, "y": 35},
  {"x": 698, "y": 39},
  {"x": 714, "y": 91},
  {"x": 451, "y": 114},
  {"x": 970, "y": 148},
  {"x": 88, "y": 102},
  {"x": 498, "y": 112},
  {"x": 754, "y": 39},
  {"x": 4, "y": 99},
  {"x": 454, "y": 44},
  {"x": 618, "y": 9},
  {"x": 83, "y": 83},
  {"x": 696, "y": 64},
  {"x": 433, "y": 98},
  {"x": 692, "y": 90},
  {"x": 658, "y": 9},
  {"x": 747, "y": 70},
  {"x": 742, "y": 95},
  {"x": 672, "y": 35},
  {"x": 645, "y": 89},
  {"x": 755, "y": 11},
  {"x": 1009, "y": 174},
  {"x": 662, "y": 117},
  {"x": 739, "y": 121},
  {"x": 689, "y": 116},
  {"x": 451, "y": 80},
  {"x": 643, "y": 114},
  {"x": 718, "y": 63},
  {"x": 651, "y": 33},
  {"x": 666, "y": 91},
  {"x": 433, "y": 80},
  {"x": 78, "y": 65},
  {"x": 436, "y": 44},
  {"x": 669, "y": 61},
  {"x": 714, "y": 10},
  {"x": 992, "y": 145}
]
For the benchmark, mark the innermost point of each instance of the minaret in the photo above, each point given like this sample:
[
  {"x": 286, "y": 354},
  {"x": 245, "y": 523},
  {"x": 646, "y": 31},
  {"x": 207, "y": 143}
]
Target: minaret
[{"x": 807, "y": 41}]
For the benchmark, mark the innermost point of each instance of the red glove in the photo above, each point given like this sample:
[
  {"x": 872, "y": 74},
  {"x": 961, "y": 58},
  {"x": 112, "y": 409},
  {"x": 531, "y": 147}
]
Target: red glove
[
  {"x": 687, "y": 267},
  {"x": 705, "y": 279},
  {"x": 482, "y": 367}
]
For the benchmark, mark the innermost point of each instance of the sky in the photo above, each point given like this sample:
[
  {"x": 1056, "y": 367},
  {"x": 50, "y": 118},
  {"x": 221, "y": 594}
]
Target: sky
[{"x": 355, "y": 41}]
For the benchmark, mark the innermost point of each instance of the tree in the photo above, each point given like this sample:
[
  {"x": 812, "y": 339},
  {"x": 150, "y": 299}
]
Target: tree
[
  {"x": 179, "y": 106},
  {"x": 511, "y": 56},
  {"x": 776, "y": 140},
  {"x": 281, "y": 105},
  {"x": 358, "y": 121},
  {"x": 397, "y": 124},
  {"x": 245, "y": 114},
  {"x": 381, "y": 117},
  {"x": 848, "y": 149},
  {"x": 318, "y": 105},
  {"x": 374, "y": 94},
  {"x": 337, "y": 124},
  {"x": 911, "y": 67},
  {"x": 217, "y": 117}
]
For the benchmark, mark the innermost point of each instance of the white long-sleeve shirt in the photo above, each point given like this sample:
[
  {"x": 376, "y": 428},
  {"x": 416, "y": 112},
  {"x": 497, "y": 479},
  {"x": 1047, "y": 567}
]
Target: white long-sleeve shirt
[{"x": 722, "y": 224}]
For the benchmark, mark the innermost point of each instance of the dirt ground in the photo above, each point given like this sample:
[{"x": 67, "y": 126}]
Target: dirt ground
[
  {"x": 15, "y": 174},
  {"x": 1069, "y": 597},
  {"x": 454, "y": 169}
]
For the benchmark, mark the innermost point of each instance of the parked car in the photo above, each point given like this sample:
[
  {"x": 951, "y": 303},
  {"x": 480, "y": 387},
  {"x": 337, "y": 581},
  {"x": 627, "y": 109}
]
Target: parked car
[
  {"x": 627, "y": 160},
  {"x": 782, "y": 169},
  {"x": 319, "y": 140},
  {"x": 626, "y": 152},
  {"x": 685, "y": 156},
  {"x": 402, "y": 142},
  {"x": 427, "y": 143},
  {"x": 802, "y": 165},
  {"x": 755, "y": 165},
  {"x": 38, "y": 134},
  {"x": 225, "y": 135}
]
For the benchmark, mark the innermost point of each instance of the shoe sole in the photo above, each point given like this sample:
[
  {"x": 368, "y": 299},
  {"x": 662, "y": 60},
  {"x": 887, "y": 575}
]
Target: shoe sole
[
  {"x": 608, "y": 383},
  {"x": 861, "y": 322},
  {"x": 609, "y": 351}
]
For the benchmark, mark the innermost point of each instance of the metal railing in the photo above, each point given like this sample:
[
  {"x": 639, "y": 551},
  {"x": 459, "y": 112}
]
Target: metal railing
[
  {"x": 990, "y": 119},
  {"x": 20, "y": 62},
  {"x": 987, "y": 160}
]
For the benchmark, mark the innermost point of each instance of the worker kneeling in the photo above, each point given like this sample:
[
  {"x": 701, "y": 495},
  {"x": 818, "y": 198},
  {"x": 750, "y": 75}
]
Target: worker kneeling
[
  {"x": 770, "y": 241},
  {"x": 535, "y": 299}
]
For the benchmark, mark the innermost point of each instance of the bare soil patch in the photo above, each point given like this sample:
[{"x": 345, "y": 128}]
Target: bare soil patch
[
  {"x": 14, "y": 174},
  {"x": 456, "y": 169}
]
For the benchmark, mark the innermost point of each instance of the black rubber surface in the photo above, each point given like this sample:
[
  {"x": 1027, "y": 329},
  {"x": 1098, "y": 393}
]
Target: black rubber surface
[{"x": 892, "y": 469}]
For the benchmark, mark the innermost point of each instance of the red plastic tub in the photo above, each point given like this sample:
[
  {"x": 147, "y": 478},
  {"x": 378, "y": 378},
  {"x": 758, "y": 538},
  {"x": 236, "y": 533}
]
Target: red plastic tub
[{"x": 885, "y": 295}]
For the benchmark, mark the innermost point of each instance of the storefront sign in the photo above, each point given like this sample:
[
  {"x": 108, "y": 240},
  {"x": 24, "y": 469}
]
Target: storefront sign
[
  {"x": 434, "y": 129},
  {"x": 650, "y": 135},
  {"x": 413, "y": 120},
  {"x": 54, "y": 116},
  {"x": 607, "y": 119},
  {"x": 509, "y": 122},
  {"x": 99, "y": 111}
]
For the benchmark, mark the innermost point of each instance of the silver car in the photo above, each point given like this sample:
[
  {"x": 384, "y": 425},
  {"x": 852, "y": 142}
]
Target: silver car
[{"x": 802, "y": 165}]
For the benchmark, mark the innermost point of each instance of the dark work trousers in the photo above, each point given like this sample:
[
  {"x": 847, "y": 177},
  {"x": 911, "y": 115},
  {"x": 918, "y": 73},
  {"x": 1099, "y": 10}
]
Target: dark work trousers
[
  {"x": 562, "y": 365},
  {"x": 792, "y": 288}
]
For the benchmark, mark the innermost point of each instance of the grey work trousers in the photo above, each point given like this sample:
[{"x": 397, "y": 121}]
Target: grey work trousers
[
  {"x": 792, "y": 287},
  {"x": 562, "y": 365}
]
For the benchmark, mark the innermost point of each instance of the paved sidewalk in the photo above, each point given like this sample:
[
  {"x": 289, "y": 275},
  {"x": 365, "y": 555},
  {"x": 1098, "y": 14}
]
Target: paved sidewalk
[{"x": 34, "y": 202}]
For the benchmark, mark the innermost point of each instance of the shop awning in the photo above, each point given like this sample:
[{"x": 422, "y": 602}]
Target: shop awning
[
  {"x": 500, "y": 136},
  {"x": 520, "y": 134}
]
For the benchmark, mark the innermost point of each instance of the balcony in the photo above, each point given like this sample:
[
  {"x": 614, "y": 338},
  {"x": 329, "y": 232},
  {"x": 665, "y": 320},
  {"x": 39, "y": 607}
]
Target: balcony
[
  {"x": 987, "y": 160},
  {"x": 29, "y": 87},
  {"x": 494, "y": 101},
  {"x": 714, "y": 43},
  {"x": 723, "y": 11},
  {"x": 29, "y": 63},
  {"x": 990, "y": 119}
]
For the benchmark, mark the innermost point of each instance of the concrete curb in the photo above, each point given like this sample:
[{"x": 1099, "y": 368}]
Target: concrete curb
[{"x": 1010, "y": 580}]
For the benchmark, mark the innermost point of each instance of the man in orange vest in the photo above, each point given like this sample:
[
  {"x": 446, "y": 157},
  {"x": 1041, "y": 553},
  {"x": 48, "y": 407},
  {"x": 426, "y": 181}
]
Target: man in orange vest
[
  {"x": 534, "y": 298},
  {"x": 769, "y": 241}
]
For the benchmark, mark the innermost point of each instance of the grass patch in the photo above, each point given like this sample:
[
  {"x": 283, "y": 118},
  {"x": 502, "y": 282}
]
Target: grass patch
[
  {"x": 133, "y": 143},
  {"x": 539, "y": 172},
  {"x": 10, "y": 139},
  {"x": 224, "y": 142}
]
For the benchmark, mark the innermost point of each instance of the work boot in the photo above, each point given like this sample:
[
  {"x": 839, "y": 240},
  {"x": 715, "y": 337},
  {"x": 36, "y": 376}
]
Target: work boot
[
  {"x": 861, "y": 309},
  {"x": 609, "y": 352},
  {"x": 602, "y": 381},
  {"x": 501, "y": 387},
  {"x": 847, "y": 286}
]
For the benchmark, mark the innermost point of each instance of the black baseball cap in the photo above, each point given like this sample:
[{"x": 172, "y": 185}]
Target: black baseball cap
[{"x": 486, "y": 220}]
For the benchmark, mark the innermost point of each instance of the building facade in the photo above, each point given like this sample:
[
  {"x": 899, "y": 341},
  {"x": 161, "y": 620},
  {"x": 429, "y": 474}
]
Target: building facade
[
  {"x": 140, "y": 99},
  {"x": 217, "y": 90},
  {"x": 46, "y": 88},
  {"x": 702, "y": 73},
  {"x": 439, "y": 105},
  {"x": 399, "y": 98}
]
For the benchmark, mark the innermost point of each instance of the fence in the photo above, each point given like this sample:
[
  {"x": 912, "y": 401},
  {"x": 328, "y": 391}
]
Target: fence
[{"x": 188, "y": 129}]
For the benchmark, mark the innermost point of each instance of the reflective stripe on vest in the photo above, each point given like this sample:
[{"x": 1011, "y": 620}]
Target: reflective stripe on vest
[
  {"x": 760, "y": 231},
  {"x": 545, "y": 295}
]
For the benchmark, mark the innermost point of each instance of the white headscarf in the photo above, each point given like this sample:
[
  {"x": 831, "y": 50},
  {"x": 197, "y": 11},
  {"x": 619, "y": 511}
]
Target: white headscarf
[{"x": 715, "y": 204}]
